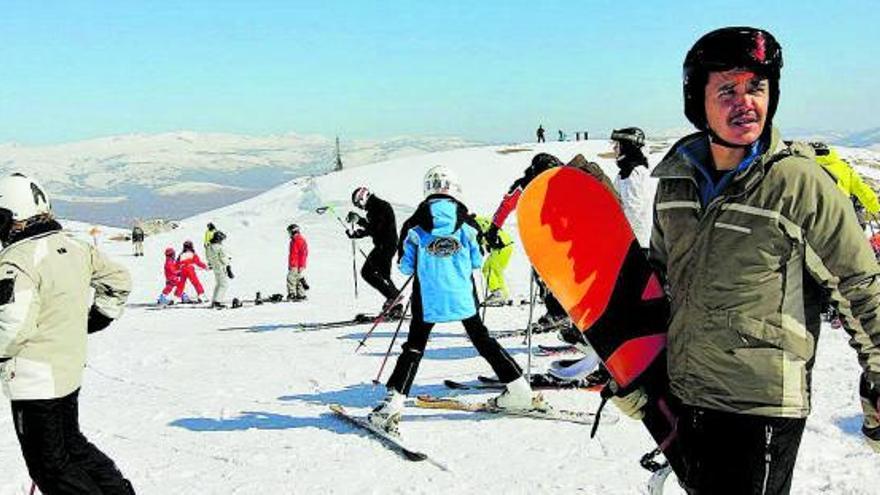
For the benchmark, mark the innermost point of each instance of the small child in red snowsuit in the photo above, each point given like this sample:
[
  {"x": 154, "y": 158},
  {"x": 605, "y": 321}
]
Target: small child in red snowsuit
[
  {"x": 172, "y": 275},
  {"x": 187, "y": 262}
]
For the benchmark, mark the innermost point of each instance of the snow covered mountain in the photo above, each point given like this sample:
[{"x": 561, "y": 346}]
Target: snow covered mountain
[
  {"x": 196, "y": 401},
  {"x": 115, "y": 180}
]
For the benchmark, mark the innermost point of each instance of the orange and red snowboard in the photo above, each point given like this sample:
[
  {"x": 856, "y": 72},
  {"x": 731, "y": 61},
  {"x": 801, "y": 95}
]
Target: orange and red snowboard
[{"x": 580, "y": 243}]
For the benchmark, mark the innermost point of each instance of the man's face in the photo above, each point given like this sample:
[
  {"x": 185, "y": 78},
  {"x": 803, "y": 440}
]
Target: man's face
[
  {"x": 615, "y": 146},
  {"x": 736, "y": 105}
]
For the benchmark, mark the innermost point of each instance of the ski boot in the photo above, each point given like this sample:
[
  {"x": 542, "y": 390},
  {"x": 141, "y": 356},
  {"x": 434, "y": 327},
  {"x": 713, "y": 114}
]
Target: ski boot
[
  {"x": 496, "y": 298},
  {"x": 386, "y": 415},
  {"x": 257, "y": 299},
  {"x": 393, "y": 309},
  {"x": 217, "y": 305},
  {"x": 549, "y": 323},
  {"x": 236, "y": 303},
  {"x": 163, "y": 300},
  {"x": 299, "y": 298},
  {"x": 184, "y": 299},
  {"x": 518, "y": 396}
]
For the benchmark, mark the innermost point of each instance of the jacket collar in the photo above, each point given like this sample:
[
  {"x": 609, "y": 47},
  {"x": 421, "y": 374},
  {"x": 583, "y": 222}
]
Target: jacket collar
[{"x": 689, "y": 153}]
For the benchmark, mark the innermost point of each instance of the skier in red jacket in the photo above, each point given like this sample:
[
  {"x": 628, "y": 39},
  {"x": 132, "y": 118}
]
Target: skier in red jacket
[
  {"x": 296, "y": 264},
  {"x": 187, "y": 262},
  {"x": 172, "y": 276}
]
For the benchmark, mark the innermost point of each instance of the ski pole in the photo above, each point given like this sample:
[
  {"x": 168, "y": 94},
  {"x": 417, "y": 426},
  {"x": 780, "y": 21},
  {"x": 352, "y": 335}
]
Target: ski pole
[
  {"x": 529, "y": 326},
  {"x": 391, "y": 345},
  {"x": 384, "y": 312},
  {"x": 354, "y": 269},
  {"x": 485, "y": 296}
]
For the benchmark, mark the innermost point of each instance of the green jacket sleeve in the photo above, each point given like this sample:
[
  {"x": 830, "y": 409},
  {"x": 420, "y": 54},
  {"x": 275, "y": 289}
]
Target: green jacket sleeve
[{"x": 838, "y": 257}]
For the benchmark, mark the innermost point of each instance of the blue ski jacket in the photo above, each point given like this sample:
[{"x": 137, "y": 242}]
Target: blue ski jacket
[{"x": 443, "y": 251}]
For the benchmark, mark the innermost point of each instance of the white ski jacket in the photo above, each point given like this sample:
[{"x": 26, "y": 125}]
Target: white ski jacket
[
  {"x": 46, "y": 284},
  {"x": 634, "y": 198}
]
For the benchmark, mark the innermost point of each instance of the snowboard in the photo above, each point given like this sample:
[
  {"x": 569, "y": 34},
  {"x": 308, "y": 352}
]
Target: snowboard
[{"x": 577, "y": 237}]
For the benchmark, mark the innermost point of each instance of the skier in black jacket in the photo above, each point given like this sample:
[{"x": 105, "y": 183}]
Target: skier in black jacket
[{"x": 380, "y": 225}]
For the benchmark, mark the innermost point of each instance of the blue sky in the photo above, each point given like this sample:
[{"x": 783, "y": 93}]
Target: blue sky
[{"x": 488, "y": 70}]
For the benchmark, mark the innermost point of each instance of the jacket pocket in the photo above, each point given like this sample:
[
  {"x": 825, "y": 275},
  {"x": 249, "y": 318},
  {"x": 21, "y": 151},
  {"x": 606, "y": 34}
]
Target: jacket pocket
[{"x": 755, "y": 333}]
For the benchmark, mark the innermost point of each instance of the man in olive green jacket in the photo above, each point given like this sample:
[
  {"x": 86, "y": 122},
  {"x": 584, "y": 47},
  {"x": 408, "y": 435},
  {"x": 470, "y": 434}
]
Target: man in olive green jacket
[
  {"x": 751, "y": 236},
  {"x": 46, "y": 312}
]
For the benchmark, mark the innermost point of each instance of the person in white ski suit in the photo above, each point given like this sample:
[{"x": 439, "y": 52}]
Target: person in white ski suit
[
  {"x": 46, "y": 313},
  {"x": 219, "y": 262},
  {"x": 631, "y": 182}
]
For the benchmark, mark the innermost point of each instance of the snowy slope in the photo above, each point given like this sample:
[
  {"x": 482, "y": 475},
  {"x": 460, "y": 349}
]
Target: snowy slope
[{"x": 194, "y": 401}]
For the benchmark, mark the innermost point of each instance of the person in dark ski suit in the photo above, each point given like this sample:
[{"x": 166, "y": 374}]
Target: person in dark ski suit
[
  {"x": 556, "y": 315},
  {"x": 137, "y": 240},
  {"x": 540, "y": 133},
  {"x": 381, "y": 226},
  {"x": 751, "y": 237},
  {"x": 47, "y": 312},
  {"x": 441, "y": 251}
]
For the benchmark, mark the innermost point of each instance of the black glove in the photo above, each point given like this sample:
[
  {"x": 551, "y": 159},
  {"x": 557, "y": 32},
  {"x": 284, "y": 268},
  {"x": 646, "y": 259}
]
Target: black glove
[
  {"x": 229, "y": 271},
  {"x": 98, "y": 320},
  {"x": 870, "y": 393},
  {"x": 492, "y": 239},
  {"x": 352, "y": 217}
]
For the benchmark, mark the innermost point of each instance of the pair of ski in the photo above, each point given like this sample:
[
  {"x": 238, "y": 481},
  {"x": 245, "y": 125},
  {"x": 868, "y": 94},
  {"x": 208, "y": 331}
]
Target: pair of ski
[
  {"x": 538, "y": 381},
  {"x": 397, "y": 444},
  {"x": 521, "y": 332}
]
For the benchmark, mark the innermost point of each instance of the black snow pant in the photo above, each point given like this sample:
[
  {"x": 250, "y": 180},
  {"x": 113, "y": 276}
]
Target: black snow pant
[
  {"x": 738, "y": 454},
  {"x": 377, "y": 271},
  {"x": 59, "y": 458},
  {"x": 504, "y": 366},
  {"x": 550, "y": 302}
]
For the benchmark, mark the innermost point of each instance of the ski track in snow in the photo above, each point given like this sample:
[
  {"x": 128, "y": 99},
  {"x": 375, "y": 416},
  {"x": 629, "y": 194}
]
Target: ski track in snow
[{"x": 186, "y": 408}]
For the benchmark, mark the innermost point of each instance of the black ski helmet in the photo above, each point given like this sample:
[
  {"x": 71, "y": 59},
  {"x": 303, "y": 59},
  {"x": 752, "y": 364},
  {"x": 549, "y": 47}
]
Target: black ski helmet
[
  {"x": 292, "y": 229},
  {"x": 726, "y": 49},
  {"x": 360, "y": 196},
  {"x": 188, "y": 245},
  {"x": 632, "y": 135},
  {"x": 542, "y": 162}
]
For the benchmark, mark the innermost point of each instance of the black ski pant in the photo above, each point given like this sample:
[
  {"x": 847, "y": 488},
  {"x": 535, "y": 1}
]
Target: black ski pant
[
  {"x": 58, "y": 456},
  {"x": 550, "y": 302},
  {"x": 377, "y": 271},
  {"x": 737, "y": 454},
  {"x": 504, "y": 366}
]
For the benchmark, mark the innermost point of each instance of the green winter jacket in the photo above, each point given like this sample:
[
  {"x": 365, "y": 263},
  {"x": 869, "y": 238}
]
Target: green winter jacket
[
  {"x": 47, "y": 283},
  {"x": 746, "y": 275}
]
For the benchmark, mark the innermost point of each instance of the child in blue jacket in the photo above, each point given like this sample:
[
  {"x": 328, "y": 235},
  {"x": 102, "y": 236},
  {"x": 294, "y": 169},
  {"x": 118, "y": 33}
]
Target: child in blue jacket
[{"x": 440, "y": 248}]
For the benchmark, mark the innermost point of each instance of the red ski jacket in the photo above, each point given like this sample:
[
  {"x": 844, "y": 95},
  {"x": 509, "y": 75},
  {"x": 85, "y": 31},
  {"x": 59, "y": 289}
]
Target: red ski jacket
[
  {"x": 299, "y": 252},
  {"x": 172, "y": 270},
  {"x": 187, "y": 259}
]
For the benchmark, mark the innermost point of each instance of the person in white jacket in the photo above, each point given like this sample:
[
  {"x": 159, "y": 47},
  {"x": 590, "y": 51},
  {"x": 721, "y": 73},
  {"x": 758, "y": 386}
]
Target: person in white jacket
[
  {"x": 632, "y": 180},
  {"x": 46, "y": 312}
]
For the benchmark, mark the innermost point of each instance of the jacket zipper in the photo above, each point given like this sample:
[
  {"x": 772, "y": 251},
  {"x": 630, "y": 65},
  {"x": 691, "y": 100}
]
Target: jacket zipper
[{"x": 768, "y": 436}]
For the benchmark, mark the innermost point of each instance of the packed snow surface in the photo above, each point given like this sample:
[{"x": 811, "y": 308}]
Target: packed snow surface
[{"x": 198, "y": 401}]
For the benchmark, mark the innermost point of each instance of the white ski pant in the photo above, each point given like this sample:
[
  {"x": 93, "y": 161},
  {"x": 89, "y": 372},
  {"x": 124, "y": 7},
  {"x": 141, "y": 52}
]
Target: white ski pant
[
  {"x": 294, "y": 282},
  {"x": 221, "y": 283}
]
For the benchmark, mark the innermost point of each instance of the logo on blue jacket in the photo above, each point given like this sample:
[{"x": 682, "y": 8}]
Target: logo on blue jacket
[{"x": 443, "y": 247}]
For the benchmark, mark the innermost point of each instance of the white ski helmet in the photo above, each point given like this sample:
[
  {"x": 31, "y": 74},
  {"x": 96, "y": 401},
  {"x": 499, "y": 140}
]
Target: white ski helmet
[
  {"x": 22, "y": 198},
  {"x": 360, "y": 196},
  {"x": 442, "y": 180}
]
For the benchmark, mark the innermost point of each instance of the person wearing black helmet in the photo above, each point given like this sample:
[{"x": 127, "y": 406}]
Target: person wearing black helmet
[
  {"x": 221, "y": 265},
  {"x": 556, "y": 316},
  {"x": 381, "y": 226},
  {"x": 631, "y": 181},
  {"x": 749, "y": 234}
]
